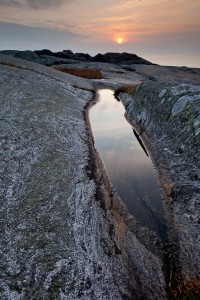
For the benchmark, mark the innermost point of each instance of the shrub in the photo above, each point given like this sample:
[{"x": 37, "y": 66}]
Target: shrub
[{"x": 84, "y": 73}]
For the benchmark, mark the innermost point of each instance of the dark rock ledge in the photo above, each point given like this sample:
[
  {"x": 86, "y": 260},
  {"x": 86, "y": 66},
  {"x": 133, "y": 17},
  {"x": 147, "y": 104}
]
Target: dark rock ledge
[{"x": 48, "y": 57}]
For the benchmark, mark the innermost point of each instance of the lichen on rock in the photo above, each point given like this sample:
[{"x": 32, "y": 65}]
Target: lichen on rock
[
  {"x": 65, "y": 234},
  {"x": 170, "y": 130}
]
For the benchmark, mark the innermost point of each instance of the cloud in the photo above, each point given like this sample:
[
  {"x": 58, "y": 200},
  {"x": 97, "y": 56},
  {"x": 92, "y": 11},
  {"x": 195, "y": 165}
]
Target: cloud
[
  {"x": 15, "y": 36},
  {"x": 39, "y": 4},
  {"x": 35, "y": 4},
  {"x": 18, "y": 29},
  {"x": 12, "y": 3}
]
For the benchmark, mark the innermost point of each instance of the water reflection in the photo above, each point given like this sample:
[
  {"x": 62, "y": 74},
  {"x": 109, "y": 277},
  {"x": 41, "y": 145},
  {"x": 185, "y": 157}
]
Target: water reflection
[{"x": 130, "y": 170}]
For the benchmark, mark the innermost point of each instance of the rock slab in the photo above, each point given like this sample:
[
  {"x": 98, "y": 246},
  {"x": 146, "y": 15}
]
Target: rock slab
[{"x": 64, "y": 233}]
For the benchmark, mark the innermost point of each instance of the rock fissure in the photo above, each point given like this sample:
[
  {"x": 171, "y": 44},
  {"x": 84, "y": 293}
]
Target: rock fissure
[{"x": 180, "y": 192}]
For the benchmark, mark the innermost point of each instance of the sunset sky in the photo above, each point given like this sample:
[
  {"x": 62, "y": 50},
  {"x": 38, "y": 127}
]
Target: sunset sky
[{"x": 141, "y": 26}]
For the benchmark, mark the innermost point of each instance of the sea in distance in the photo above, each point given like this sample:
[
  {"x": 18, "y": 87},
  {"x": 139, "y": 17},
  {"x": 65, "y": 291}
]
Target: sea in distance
[{"x": 192, "y": 61}]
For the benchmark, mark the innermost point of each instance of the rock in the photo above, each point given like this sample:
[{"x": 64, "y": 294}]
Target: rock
[
  {"x": 167, "y": 128},
  {"x": 125, "y": 58},
  {"x": 9, "y": 52},
  {"x": 83, "y": 56},
  {"x": 181, "y": 103},
  {"x": 165, "y": 74},
  {"x": 64, "y": 55},
  {"x": 69, "y": 52},
  {"x": 27, "y": 55},
  {"x": 99, "y": 58},
  {"x": 23, "y": 64},
  {"x": 44, "y": 52},
  {"x": 52, "y": 60},
  {"x": 66, "y": 235},
  {"x": 116, "y": 58}
]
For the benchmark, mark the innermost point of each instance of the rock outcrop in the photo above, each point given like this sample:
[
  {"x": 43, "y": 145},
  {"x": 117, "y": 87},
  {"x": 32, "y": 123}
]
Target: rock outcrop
[
  {"x": 64, "y": 232},
  {"x": 167, "y": 118},
  {"x": 63, "y": 56}
]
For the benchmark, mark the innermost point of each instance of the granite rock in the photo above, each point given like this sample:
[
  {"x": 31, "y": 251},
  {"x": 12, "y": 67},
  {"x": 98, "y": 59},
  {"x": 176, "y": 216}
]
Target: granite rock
[
  {"x": 166, "y": 116},
  {"x": 125, "y": 58},
  {"x": 110, "y": 57},
  {"x": 53, "y": 178},
  {"x": 65, "y": 233},
  {"x": 27, "y": 55}
]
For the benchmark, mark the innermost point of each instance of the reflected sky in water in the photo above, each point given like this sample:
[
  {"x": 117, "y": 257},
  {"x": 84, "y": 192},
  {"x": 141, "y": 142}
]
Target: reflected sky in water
[{"x": 130, "y": 170}]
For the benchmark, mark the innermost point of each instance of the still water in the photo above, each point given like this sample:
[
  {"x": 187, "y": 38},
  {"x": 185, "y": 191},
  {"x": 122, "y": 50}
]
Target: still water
[
  {"x": 130, "y": 170},
  {"x": 191, "y": 61}
]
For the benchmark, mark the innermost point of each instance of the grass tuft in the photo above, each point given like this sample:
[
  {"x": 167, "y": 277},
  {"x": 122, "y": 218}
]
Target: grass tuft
[
  {"x": 84, "y": 73},
  {"x": 187, "y": 290},
  {"x": 129, "y": 89}
]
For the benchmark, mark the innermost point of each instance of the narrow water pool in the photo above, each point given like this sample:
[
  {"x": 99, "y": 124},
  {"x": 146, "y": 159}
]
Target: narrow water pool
[{"x": 129, "y": 168}]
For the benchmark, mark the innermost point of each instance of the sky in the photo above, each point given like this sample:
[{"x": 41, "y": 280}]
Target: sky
[{"x": 144, "y": 27}]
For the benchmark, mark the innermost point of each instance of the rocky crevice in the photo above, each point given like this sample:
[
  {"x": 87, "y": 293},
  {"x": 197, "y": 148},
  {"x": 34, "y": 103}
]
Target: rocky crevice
[
  {"x": 125, "y": 230},
  {"x": 166, "y": 117}
]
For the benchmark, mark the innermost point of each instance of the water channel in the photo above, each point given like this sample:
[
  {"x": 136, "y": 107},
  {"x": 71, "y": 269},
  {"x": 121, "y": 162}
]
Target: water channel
[{"x": 129, "y": 168}]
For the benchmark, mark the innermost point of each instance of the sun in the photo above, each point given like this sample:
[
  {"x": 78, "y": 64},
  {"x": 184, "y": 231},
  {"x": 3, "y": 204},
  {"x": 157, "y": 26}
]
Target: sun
[{"x": 120, "y": 40}]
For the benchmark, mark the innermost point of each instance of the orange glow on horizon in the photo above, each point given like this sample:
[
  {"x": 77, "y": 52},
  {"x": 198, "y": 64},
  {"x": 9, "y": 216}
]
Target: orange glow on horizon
[{"x": 120, "y": 40}]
